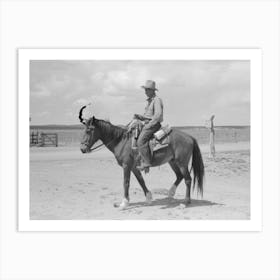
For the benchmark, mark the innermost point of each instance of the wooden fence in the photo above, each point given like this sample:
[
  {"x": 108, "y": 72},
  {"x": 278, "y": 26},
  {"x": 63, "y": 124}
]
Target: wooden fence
[{"x": 41, "y": 139}]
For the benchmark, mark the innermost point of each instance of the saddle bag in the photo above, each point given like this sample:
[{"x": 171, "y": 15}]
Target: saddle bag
[{"x": 162, "y": 133}]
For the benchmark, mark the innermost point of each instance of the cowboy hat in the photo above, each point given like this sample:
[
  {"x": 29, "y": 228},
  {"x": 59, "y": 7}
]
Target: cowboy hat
[{"x": 150, "y": 85}]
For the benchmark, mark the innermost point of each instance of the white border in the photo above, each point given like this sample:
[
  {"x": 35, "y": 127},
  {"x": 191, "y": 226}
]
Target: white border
[{"x": 255, "y": 222}]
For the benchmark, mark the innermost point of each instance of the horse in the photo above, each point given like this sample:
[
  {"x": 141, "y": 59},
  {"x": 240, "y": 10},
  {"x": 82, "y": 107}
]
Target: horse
[{"x": 178, "y": 153}]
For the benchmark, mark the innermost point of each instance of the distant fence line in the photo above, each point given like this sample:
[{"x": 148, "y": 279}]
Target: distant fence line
[{"x": 222, "y": 134}]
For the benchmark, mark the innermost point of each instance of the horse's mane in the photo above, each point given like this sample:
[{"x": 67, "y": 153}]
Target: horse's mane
[{"x": 114, "y": 130}]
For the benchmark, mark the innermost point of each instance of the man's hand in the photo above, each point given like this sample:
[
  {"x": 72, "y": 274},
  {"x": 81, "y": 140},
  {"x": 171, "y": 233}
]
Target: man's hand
[
  {"x": 141, "y": 117},
  {"x": 133, "y": 124},
  {"x": 138, "y": 117}
]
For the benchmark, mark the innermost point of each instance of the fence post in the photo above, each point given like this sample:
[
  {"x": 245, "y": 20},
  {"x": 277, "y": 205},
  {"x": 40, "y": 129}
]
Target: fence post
[{"x": 210, "y": 126}]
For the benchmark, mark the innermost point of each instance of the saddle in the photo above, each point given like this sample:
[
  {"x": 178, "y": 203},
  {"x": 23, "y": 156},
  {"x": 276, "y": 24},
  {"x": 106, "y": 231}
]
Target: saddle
[{"x": 159, "y": 140}]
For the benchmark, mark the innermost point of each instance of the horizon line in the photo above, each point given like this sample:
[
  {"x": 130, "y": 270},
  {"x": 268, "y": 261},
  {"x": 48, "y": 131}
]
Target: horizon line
[{"x": 71, "y": 125}]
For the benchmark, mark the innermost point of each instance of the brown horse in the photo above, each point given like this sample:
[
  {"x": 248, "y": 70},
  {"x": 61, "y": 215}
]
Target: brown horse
[{"x": 178, "y": 154}]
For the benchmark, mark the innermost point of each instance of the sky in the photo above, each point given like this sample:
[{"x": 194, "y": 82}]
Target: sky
[{"x": 191, "y": 91}]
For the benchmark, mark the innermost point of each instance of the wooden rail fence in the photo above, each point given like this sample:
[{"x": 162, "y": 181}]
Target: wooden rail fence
[{"x": 41, "y": 139}]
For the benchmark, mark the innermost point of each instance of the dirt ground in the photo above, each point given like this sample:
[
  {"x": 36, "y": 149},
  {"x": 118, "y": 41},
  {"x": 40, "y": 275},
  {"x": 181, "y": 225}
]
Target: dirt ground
[{"x": 66, "y": 184}]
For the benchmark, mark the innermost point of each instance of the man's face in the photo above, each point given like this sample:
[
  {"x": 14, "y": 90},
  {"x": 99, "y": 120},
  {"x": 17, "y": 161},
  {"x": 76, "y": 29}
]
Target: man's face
[{"x": 149, "y": 92}]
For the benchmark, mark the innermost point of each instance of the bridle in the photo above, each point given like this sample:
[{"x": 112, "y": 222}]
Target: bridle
[
  {"x": 92, "y": 149},
  {"x": 98, "y": 146},
  {"x": 83, "y": 121}
]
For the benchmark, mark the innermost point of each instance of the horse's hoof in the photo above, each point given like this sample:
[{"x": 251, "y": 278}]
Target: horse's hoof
[
  {"x": 172, "y": 191},
  {"x": 116, "y": 205},
  {"x": 123, "y": 205},
  {"x": 149, "y": 198}
]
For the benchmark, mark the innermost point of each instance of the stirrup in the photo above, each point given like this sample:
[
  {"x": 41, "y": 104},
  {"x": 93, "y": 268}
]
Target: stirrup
[{"x": 144, "y": 167}]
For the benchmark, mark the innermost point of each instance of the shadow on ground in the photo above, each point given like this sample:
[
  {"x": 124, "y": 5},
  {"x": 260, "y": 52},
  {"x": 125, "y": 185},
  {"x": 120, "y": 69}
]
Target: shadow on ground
[{"x": 167, "y": 203}]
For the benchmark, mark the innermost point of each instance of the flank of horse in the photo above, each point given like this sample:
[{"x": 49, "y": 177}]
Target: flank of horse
[{"x": 178, "y": 153}]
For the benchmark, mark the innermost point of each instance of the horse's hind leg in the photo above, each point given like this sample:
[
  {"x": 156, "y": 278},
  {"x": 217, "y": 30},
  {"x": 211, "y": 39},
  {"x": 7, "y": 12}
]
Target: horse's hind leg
[
  {"x": 141, "y": 182},
  {"x": 188, "y": 181},
  {"x": 179, "y": 178}
]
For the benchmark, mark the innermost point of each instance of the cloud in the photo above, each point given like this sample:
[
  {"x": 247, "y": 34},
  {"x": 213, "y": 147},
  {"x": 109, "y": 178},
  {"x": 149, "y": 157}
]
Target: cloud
[
  {"x": 40, "y": 115},
  {"x": 190, "y": 90},
  {"x": 97, "y": 77},
  {"x": 80, "y": 102},
  {"x": 44, "y": 114},
  {"x": 40, "y": 91}
]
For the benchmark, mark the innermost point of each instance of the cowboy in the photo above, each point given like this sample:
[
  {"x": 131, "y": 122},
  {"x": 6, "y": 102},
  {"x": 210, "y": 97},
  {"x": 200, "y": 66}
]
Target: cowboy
[{"x": 152, "y": 118}]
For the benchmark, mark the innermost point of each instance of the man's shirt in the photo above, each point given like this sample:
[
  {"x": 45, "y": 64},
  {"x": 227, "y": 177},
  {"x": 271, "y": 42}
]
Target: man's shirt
[{"x": 154, "y": 110}]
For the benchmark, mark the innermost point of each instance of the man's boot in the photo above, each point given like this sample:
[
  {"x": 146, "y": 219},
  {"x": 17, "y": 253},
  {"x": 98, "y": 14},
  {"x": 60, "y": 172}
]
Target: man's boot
[{"x": 145, "y": 158}]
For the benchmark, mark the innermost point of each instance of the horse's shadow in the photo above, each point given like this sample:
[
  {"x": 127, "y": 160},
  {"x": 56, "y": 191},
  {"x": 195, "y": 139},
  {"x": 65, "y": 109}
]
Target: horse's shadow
[{"x": 168, "y": 203}]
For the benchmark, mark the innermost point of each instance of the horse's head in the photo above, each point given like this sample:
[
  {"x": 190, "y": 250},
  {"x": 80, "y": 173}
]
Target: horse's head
[{"x": 91, "y": 133}]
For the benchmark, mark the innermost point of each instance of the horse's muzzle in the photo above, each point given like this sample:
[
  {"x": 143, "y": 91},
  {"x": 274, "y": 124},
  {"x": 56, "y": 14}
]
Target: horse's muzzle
[{"x": 84, "y": 149}]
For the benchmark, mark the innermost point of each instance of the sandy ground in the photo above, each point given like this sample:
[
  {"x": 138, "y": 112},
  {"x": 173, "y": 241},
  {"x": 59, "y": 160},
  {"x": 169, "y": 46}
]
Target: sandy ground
[{"x": 66, "y": 184}]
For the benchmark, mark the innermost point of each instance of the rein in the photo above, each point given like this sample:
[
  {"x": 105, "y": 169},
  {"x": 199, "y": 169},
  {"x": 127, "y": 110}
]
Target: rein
[{"x": 92, "y": 149}]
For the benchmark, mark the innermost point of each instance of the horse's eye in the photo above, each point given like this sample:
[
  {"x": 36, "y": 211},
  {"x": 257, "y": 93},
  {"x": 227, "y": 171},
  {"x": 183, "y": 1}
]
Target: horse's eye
[{"x": 89, "y": 129}]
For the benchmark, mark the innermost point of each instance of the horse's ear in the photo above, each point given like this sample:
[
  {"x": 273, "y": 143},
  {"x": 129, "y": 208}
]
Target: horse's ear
[{"x": 92, "y": 120}]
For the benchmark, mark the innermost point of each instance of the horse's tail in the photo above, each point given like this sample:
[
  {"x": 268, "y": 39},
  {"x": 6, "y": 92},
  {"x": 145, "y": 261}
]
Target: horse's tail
[{"x": 197, "y": 167}]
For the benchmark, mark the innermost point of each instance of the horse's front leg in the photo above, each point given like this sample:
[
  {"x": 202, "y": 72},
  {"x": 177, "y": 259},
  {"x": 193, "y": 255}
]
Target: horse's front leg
[
  {"x": 141, "y": 181},
  {"x": 126, "y": 182}
]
